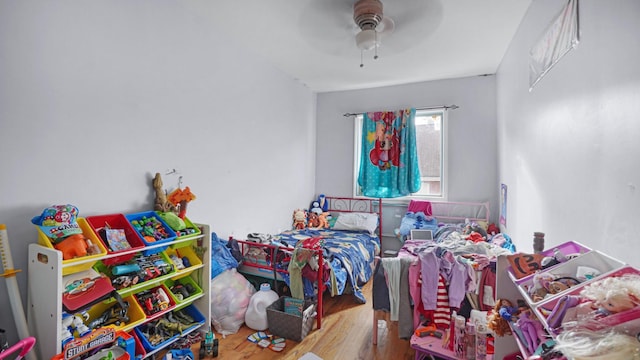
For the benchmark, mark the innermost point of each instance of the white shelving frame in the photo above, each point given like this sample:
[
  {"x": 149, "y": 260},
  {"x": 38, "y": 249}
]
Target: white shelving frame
[{"x": 45, "y": 291}]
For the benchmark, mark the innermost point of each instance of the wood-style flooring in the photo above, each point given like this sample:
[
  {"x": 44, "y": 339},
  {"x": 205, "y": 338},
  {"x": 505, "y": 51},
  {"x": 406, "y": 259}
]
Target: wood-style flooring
[{"x": 346, "y": 334}]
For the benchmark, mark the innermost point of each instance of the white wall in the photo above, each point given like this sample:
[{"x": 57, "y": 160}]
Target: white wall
[
  {"x": 97, "y": 96},
  {"x": 569, "y": 149},
  {"x": 472, "y": 142}
]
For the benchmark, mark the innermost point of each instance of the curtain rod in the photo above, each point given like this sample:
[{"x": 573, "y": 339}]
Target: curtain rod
[{"x": 446, "y": 107}]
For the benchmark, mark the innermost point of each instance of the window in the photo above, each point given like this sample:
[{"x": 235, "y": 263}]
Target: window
[{"x": 431, "y": 143}]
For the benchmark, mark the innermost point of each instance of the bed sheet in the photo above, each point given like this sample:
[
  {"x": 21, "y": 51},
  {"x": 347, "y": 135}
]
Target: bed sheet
[{"x": 351, "y": 255}]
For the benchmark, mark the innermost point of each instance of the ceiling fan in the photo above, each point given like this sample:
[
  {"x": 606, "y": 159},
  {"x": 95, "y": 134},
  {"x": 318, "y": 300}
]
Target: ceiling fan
[
  {"x": 369, "y": 16},
  {"x": 335, "y": 26}
]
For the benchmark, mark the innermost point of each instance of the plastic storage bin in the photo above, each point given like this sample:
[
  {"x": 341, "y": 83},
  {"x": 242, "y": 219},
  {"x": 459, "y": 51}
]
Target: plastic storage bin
[
  {"x": 151, "y": 264},
  {"x": 140, "y": 351},
  {"x": 593, "y": 259},
  {"x": 71, "y": 266},
  {"x": 290, "y": 326},
  {"x": 181, "y": 257},
  {"x": 182, "y": 234},
  {"x": 569, "y": 248},
  {"x": 165, "y": 234},
  {"x": 626, "y": 321},
  {"x": 179, "y": 296},
  {"x": 116, "y": 221},
  {"x": 190, "y": 310},
  {"x": 134, "y": 313},
  {"x": 151, "y": 305}
]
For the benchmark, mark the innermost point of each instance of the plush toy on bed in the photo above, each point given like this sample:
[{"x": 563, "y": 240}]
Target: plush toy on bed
[
  {"x": 315, "y": 208},
  {"x": 299, "y": 219},
  {"x": 313, "y": 220},
  {"x": 324, "y": 220}
]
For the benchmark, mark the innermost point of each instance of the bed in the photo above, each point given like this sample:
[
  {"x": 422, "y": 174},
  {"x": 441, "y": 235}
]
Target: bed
[
  {"x": 346, "y": 252},
  {"x": 459, "y": 236}
]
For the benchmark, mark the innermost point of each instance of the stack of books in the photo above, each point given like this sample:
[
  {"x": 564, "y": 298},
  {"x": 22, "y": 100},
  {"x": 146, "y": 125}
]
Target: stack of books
[{"x": 293, "y": 306}]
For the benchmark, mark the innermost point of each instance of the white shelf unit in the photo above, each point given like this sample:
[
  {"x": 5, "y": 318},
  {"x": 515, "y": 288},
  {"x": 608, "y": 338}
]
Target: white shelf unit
[{"x": 46, "y": 288}]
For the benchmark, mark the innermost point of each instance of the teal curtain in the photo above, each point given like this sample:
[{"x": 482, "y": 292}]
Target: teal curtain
[{"x": 389, "y": 162}]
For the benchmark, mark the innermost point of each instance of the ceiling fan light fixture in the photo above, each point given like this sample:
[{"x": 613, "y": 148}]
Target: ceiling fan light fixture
[
  {"x": 368, "y": 15},
  {"x": 367, "y": 39}
]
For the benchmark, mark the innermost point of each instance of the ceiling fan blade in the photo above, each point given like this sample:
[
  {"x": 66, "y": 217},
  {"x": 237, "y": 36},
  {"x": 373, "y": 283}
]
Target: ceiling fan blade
[
  {"x": 386, "y": 26},
  {"x": 414, "y": 22},
  {"x": 328, "y": 26}
]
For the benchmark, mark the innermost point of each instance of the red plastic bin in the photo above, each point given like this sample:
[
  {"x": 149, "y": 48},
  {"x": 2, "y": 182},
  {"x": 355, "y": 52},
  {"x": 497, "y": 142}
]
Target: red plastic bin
[{"x": 116, "y": 221}]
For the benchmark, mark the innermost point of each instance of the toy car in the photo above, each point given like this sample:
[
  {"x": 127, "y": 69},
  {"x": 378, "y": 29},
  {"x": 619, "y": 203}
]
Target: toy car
[{"x": 209, "y": 346}]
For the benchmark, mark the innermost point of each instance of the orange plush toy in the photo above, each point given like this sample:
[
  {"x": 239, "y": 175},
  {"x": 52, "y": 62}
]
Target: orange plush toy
[
  {"x": 73, "y": 246},
  {"x": 313, "y": 220}
]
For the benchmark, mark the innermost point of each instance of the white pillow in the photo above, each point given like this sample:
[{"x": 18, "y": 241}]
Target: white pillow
[{"x": 357, "y": 222}]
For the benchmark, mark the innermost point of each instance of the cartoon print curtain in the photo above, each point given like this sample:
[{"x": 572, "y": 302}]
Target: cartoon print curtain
[{"x": 389, "y": 159}]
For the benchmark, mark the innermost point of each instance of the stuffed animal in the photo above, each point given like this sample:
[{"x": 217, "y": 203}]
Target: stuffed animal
[
  {"x": 324, "y": 220},
  {"x": 324, "y": 204},
  {"x": 499, "y": 318},
  {"x": 313, "y": 220},
  {"x": 299, "y": 219},
  {"x": 161, "y": 202},
  {"x": 315, "y": 208}
]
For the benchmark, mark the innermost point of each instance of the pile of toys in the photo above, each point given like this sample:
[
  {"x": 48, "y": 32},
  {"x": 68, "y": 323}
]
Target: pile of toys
[
  {"x": 141, "y": 268},
  {"x": 166, "y": 327}
]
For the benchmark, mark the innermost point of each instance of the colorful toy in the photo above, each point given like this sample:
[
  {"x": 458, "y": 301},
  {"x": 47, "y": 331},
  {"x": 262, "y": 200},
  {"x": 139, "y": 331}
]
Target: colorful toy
[
  {"x": 72, "y": 324},
  {"x": 499, "y": 317},
  {"x": 600, "y": 298},
  {"x": 612, "y": 295},
  {"x": 141, "y": 268},
  {"x": 429, "y": 330},
  {"x": 209, "y": 345},
  {"x": 299, "y": 219},
  {"x": 58, "y": 223},
  {"x": 324, "y": 204},
  {"x": 150, "y": 228},
  {"x": 531, "y": 330},
  {"x": 313, "y": 221},
  {"x": 116, "y": 314},
  {"x": 315, "y": 208},
  {"x": 180, "y": 198},
  {"x": 153, "y": 301},
  {"x": 323, "y": 220},
  {"x": 72, "y": 246}
]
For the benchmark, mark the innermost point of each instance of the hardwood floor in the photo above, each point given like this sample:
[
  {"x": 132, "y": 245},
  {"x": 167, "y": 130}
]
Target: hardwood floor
[{"x": 346, "y": 334}]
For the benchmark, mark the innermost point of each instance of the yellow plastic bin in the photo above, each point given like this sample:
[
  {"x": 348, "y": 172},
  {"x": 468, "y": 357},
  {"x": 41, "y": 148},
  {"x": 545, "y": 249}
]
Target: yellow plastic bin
[
  {"x": 178, "y": 257},
  {"x": 134, "y": 313},
  {"x": 74, "y": 265}
]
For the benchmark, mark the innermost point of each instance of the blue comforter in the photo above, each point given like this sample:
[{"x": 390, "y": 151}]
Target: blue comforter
[{"x": 349, "y": 253}]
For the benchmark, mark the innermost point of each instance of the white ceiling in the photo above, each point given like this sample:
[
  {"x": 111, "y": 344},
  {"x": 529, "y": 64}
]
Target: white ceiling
[{"x": 314, "y": 40}]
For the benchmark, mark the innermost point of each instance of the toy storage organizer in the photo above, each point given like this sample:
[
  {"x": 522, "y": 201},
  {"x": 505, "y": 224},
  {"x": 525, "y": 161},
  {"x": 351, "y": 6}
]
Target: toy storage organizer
[
  {"x": 45, "y": 278},
  {"x": 511, "y": 288},
  {"x": 268, "y": 268}
]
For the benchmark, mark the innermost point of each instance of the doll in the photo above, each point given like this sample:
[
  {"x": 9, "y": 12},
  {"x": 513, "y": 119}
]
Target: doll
[
  {"x": 531, "y": 329},
  {"x": 591, "y": 345},
  {"x": 613, "y": 294},
  {"x": 499, "y": 317},
  {"x": 600, "y": 298}
]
